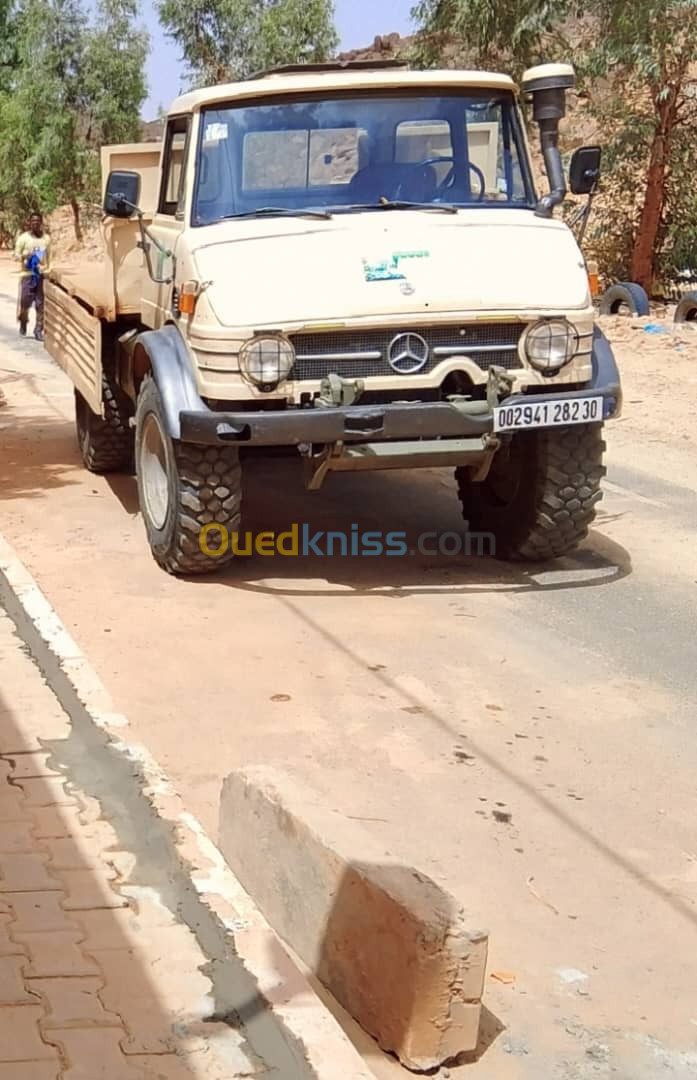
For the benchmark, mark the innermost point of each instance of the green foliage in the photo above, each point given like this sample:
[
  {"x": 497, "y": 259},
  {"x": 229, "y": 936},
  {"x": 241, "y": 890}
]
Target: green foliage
[
  {"x": 72, "y": 87},
  {"x": 47, "y": 99},
  {"x": 645, "y": 57},
  {"x": 678, "y": 251},
  {"x": 8, "y": 54},
  {"x": 512, "y": 33},
  {"x": 637, "y": 63},
  {"x": 113, "y": 80},
  {"x": 296, "y": 31},
  {"x": 224, "y": 40}
]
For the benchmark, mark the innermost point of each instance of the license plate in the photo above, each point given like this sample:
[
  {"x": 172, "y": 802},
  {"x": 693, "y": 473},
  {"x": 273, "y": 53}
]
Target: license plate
[{"x": 548, "y": 414}]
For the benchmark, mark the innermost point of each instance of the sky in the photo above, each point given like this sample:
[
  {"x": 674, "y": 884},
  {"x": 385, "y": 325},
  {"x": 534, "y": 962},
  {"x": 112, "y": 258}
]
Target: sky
[{"x": 358, "y": 22}]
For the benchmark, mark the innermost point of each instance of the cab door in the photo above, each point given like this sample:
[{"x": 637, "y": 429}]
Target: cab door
[{"x": 167, "y": 225}]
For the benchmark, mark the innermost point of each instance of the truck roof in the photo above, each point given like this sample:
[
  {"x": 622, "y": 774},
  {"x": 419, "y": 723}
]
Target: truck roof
[{"x": 310, "y": 81}]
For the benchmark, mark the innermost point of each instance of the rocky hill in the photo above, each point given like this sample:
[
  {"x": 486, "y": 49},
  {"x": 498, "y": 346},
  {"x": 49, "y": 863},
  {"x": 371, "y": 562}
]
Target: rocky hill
[
  {"x": 153, "y": 130},
  {"x": 385, "y": 47}
]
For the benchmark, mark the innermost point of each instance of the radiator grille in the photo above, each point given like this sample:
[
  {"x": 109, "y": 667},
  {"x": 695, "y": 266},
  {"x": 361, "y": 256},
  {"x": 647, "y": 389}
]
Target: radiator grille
[{"x": 340, "y": 351}]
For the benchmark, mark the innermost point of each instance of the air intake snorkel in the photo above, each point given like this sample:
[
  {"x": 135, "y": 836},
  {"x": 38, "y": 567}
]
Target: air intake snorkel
[{"x": 547, "y": 86}]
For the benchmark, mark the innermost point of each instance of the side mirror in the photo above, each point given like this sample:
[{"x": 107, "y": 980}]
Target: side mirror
[
  {"x": 122, "y": 194},
  {"x": 584, "y": 171}
]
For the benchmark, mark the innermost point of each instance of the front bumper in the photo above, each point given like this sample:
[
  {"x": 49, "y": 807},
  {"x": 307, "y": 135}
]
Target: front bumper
[{"x": 378, "y": 423}]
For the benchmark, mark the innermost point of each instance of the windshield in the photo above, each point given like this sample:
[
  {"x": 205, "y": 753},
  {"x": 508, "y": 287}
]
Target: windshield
[{"x": 348, "y": 152}]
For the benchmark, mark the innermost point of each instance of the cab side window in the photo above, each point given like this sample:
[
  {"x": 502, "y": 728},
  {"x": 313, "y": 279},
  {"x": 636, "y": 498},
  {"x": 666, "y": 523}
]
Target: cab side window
[{"x": 173, "y": 188}]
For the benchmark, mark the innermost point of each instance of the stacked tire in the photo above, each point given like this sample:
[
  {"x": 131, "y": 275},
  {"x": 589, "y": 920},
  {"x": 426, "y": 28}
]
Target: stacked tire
[
  {"x": 686, "y": 311},
  {"x": 625, "y": 297}
]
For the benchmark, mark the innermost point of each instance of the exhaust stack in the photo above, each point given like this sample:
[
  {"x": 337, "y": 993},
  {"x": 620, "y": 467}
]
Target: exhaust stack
[{"x": 547, "y": 85}]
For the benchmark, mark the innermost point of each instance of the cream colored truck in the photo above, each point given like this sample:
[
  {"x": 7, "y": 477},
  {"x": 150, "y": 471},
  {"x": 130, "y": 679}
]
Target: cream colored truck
[{"x": 352, "y": 261}]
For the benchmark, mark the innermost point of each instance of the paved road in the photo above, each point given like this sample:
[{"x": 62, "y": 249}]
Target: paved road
[
  {"x": 527, "y": 737},
  {"x": 99, "y": 972}
]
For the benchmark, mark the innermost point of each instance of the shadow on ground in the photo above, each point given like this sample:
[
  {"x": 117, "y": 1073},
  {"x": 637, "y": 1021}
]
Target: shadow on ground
[
  {"x": 422, "y": 507},
  {"x": 154, "y": 1030},
  {"x": 38, "y": 453}
]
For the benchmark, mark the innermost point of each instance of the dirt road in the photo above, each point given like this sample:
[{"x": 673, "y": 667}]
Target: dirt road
[{"x": 527, "y": 737}]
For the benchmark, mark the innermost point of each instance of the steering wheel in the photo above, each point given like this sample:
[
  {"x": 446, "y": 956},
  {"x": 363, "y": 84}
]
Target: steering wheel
[{"x": 449, "y": 178}]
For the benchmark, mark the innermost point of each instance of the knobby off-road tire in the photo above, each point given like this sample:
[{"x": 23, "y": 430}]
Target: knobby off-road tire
[
  {"x": 539, "y": 498},
  {"x": 182, "y": 488},
  {"x": 106, "y": 444}
]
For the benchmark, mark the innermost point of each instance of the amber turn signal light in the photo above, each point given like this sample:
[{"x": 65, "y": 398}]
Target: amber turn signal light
[{"x": 187, "y": 297}]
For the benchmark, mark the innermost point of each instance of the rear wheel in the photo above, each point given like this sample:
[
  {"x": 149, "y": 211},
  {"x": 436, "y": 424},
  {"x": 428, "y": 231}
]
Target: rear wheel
[
  {"x": 539, "y": 498},
  {"x": 106, "y": 443},
  {"x": 182, "y": 488}
]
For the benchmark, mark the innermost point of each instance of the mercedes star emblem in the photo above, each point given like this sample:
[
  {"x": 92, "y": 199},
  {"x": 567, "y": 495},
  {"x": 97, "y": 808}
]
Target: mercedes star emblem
[{"x": 407, "y": 353}]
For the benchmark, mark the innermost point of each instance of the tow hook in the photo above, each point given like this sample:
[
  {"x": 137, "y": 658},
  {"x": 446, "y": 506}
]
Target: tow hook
[
  {"x": 499, "y": 385},
  {"x": 335, "y": 392}
]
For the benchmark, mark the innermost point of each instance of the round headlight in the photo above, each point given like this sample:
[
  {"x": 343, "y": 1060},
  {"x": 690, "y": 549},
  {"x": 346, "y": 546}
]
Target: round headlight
[
  {"x": 551, "y": 344},
  {"x": 267, "y": 361}
]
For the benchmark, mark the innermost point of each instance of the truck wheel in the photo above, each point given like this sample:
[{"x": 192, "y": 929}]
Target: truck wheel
[
  {"x": 540, "y": 495},
  {"x": 182, "y": 488},
  {"x": 627, "y": 294},
  {"x": 106, "y": 444},
  {"x": 686, "y": 311}
]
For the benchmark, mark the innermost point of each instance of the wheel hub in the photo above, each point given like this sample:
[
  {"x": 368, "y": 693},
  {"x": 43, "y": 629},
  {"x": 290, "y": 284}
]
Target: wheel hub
[{"x": 154, "y": 471}]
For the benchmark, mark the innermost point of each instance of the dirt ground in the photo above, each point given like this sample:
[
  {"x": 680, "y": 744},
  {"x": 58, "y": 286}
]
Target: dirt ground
[
  {"x": 524, "y": 735},
  {"x": 659, "y": 375}
]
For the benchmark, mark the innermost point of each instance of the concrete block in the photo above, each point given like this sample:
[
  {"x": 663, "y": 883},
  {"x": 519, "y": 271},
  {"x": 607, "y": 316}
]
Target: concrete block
[{"x": 395, "y": 949}]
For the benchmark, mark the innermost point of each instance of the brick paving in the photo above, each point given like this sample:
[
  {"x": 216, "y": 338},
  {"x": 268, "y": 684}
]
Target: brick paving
[{"x": 94, "y": 984}]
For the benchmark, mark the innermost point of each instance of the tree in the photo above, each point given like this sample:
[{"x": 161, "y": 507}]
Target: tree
[
  {"x": 48, "y": 156},
  {"x": 72, "y": 87},
  {"x": 8, "y": 161},
  {"x": 113, "y": 81},
  {"x": 647, "y": 52},
  {"x": 224, "y": 40},
  {"x": 8, "y": 55},
  {"x": 637, "y": 62},
  {"x": 513, "y": 33}
]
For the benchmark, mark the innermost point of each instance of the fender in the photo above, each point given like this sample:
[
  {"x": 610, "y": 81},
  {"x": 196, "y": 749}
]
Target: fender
[
  {"x": 606, "y": 376},
  {"x": 173, "y": 375}
]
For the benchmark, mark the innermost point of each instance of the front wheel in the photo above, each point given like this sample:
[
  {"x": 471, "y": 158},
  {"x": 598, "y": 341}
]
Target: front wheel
[
  {"x": 539, "y": 498},
  {"x": 182, "y": 488}
]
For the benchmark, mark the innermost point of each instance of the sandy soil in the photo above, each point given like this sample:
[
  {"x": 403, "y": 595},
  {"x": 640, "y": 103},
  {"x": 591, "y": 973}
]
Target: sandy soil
[{"x": 658, "y": 360}]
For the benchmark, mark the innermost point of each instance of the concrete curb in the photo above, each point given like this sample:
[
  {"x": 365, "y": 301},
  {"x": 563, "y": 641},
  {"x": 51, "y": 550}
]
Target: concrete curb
[
  {"x": 305, "y": 1022},
  {"x": 395, "y": 949}
]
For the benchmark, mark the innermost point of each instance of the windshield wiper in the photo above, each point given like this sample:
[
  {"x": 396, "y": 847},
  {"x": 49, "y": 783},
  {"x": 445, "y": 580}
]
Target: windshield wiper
[
  {"x": 278, "y": 211},
  {"x": 401, "y": 204},
  {"x": 404, "y": 204}
]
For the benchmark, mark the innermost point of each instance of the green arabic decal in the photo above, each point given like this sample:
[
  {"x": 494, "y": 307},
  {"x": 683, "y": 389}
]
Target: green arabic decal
[{"x": 389, "y": 269}]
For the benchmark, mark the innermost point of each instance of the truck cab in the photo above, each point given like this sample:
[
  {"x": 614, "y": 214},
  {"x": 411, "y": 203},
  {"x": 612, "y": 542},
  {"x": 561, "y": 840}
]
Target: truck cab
[{"x": 353, "y": 262}]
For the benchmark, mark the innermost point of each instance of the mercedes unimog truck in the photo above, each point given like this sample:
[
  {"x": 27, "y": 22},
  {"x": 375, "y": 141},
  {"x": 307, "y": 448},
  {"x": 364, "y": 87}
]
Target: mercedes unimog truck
[{"x": 351, "y": 261}]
